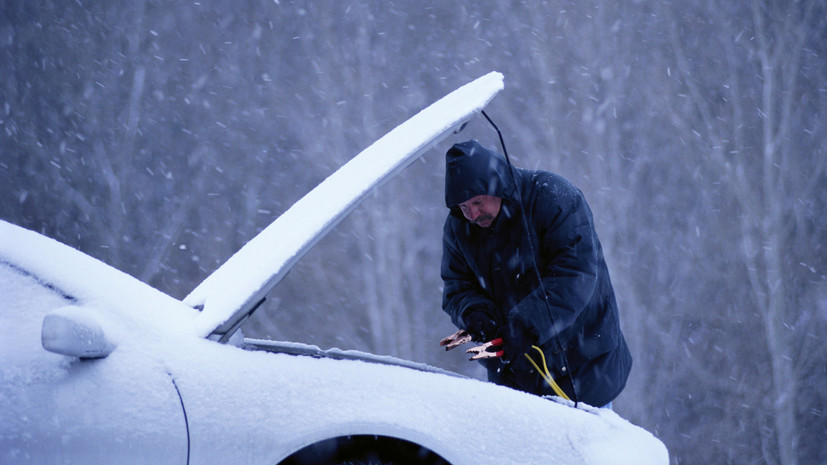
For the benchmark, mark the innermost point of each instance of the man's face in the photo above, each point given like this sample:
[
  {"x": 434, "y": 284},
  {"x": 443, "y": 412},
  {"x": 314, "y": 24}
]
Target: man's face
[{"x": 481, "y": 210}]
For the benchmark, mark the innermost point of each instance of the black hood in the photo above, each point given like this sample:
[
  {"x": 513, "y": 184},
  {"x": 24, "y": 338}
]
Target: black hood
[{"x": 472, "y": 170}]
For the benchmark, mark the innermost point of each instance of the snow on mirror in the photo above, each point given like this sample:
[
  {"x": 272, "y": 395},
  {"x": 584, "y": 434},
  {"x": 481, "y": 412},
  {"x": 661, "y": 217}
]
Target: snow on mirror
[{"x": 74, "y": 331}]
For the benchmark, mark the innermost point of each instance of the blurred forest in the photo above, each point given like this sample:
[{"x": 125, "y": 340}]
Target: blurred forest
[{"x": 160, "y": 136}]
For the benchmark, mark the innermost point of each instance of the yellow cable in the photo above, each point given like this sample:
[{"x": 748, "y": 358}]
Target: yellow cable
[{"x": 545, "y": 373}]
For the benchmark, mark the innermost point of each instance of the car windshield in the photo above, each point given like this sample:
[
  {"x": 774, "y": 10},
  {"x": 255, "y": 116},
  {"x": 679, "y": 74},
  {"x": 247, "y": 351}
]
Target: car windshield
[
  {"x": 26, "y": 300},
  {"x": 24, "y": 293}
]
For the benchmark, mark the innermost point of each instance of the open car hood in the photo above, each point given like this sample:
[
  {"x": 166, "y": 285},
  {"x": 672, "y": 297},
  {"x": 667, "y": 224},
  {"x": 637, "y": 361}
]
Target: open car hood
[{"x": 233, "y": 292}]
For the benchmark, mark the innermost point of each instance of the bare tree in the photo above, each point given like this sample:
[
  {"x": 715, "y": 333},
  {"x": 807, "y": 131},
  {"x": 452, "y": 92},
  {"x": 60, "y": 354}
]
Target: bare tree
[{"x": 755, "y": 136}]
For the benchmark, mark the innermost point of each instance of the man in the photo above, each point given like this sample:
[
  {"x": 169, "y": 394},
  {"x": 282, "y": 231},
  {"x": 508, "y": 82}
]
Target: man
[{"x": 509, "y": 238}]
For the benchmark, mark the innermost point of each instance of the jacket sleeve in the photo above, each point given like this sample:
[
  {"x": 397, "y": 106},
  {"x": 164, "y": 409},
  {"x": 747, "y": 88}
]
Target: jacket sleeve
[
  {"x": 567, "y": 251},
  {"x": 461, "y": 289}
]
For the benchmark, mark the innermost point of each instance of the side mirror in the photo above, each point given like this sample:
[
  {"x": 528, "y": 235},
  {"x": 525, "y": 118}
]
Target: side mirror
[{"x": 75, "y": 331}]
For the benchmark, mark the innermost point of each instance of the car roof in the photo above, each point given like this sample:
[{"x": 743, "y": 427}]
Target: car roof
[{"x": 89, "y": 282}]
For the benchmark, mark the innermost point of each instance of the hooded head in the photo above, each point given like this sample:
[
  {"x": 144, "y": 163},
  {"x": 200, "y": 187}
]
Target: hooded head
[{"x": 472, "y": 170}]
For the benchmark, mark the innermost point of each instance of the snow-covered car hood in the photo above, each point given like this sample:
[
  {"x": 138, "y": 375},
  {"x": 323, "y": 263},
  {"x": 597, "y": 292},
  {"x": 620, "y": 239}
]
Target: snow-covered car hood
[{"x": 233, "y": 291}]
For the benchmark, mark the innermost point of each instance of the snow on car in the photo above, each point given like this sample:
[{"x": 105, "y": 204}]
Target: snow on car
[{"x": 98, "y": 367}]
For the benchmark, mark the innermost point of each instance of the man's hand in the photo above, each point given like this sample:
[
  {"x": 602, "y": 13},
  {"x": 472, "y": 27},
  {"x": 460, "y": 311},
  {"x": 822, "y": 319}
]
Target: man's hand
[
  {"x": 518, "y": 339},
  {"x": 480, "y": 325}
]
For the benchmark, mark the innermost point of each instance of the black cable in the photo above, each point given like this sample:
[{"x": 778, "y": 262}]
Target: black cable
[{"x": 534, "y": 258}]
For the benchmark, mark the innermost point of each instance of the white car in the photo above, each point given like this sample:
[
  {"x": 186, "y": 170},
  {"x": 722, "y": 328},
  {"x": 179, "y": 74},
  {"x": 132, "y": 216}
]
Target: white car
[{"x": 97, "y": 367}]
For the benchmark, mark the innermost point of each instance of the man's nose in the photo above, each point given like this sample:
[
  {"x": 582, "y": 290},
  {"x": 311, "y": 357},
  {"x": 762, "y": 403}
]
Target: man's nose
[{"x": 471, "y": 213}]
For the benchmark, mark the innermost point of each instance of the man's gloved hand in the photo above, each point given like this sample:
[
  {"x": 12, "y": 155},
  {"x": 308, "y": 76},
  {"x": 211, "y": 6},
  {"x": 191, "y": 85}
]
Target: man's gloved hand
[
  {"x": 480, "y": 325},
  {"x": 517, "y": 340}
]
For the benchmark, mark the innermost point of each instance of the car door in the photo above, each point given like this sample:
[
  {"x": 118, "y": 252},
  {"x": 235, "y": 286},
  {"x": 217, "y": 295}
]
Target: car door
[{"x": 123, "y": 408}]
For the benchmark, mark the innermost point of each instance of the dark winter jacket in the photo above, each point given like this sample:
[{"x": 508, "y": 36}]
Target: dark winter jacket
[{"x": 493, "y": 269}]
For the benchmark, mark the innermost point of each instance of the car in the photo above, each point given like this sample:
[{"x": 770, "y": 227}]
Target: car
[{"x": 98, "y": 367}]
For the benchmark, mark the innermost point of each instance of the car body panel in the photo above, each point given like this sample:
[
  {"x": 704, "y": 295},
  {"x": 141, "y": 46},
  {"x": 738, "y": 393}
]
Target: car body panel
[{"x": 296, "y": 400}]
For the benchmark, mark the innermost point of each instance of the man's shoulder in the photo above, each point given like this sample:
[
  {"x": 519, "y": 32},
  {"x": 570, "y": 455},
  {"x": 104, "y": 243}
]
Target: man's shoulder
[{"x": 543, "y": 182}]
